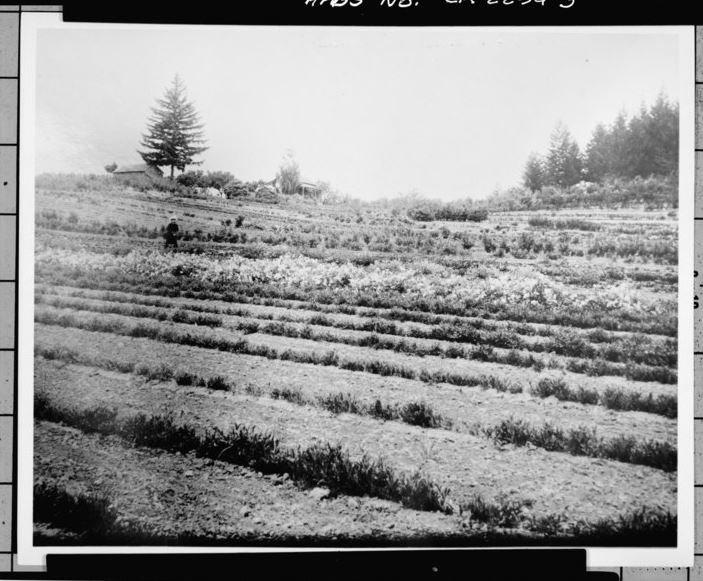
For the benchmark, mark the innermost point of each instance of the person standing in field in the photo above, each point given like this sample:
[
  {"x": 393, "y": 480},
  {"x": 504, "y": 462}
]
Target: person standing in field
[{"x": 171, "y": 233}]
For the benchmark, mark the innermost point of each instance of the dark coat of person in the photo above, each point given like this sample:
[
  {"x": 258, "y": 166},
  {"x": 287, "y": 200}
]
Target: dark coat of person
[{"x": 170, "y": 234}]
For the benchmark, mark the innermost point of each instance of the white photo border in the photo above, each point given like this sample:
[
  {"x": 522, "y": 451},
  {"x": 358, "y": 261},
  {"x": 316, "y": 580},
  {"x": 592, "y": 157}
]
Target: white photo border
[{"x": 28, "y": 554}]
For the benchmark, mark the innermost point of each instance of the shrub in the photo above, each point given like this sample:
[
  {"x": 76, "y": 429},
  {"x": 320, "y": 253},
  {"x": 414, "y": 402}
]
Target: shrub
[
  {"x": 291, "y": 395},
  {"x": 339, "y": 403},
  {"x": 218, "y": 383},
  {"x": 235, "y": 188},
  {"x": 504, "y": 512},
  {"x": 420, "y": 414},
  {"x": 87, "y": 514}
]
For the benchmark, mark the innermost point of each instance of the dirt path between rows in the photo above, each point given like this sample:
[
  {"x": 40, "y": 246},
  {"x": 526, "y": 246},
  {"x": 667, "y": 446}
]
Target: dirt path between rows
[
  {"x": 172, "y": 494},
  {"x": 522, "y": 376},
  {"x": 581, "y": 487},
  {"x": 465, "y": 406}
]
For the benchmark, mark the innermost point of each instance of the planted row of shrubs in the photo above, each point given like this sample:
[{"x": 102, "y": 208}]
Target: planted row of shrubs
[
  {"x": 583, "y": 441},
  {"x": 611, "y": 398},
  {"x": 93, "y": 518},
  {"x": 329, "y": 358},
  {"x": 320, "y": 464},
  {"x": 663, "y": 405},
  {"x": 347, "y": 301},
  {"x": 154, "y": 296},
  {"x": 180, "y": 315},
  {"x": 482, "y": 352},
  {"x": 634, "y": 348},
  {"x": 413, "y": 413},
  {"x": 526, "y": 245},
  {"x": 566, "y": 224}
]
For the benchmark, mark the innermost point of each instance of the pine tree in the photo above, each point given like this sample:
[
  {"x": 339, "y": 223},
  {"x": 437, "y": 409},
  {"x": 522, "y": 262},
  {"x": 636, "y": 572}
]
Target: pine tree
[
  {"x": 618, "y": 139},
  {"x": 563, "y": 165},
  {"x": 598, "y": 155},
  {"x": 174, "y": 133},
  {"x": 533, "y": 176},
  {"x": 664, "y": 134}
]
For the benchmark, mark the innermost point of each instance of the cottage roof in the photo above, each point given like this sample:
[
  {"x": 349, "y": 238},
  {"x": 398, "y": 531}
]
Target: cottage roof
[{"x": 136, "y": 168}]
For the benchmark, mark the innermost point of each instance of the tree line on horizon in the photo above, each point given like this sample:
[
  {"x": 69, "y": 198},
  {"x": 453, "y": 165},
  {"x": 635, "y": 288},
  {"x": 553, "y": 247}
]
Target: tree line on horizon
[{"x": 647, "y": 144}]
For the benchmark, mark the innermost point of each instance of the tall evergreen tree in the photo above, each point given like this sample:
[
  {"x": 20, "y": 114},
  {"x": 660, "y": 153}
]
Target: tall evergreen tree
[
  {"x": 563, "y": 164},
  {"x": 664, "y": 135},
  {"x": 174, "y": 134},
  {"x": 533, "y": 176},
  {"x": 598, "y": 155},
  {"x": 618, "y": 138},
  {"x": 639, "y": 144}
]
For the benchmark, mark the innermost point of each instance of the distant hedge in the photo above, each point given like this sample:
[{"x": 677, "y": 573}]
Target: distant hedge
[{"x": 430, "y": 213}]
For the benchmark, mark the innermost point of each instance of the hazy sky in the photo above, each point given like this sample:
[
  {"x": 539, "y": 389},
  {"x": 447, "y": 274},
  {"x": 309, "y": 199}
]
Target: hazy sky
[{"x": 449, "y": 112}]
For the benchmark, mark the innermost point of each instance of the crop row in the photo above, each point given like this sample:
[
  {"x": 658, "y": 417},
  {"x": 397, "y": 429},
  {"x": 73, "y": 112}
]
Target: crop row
[
  {"x": 441, "y": 241},
  {"x": 484, "y": 352},
  {"x": 423, "y": 286},
  {"x": 585, "y": 275},
  {"x": 580, "y": 441},
  {"x": 181, "y": 315},
  {"x": 634, "y": 349},
  {"x": 395, "y": 307},
  {"x": 93, "y": 517},
  {"x": 246, "y": 446},
  {"x": 414, "y": 413},
  {"x": 611, "y": 398},
  {"x": 527, "y": 245}
]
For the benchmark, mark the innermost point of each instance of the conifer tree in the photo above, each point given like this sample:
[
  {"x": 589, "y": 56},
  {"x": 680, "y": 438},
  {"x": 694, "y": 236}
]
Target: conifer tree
[
  {"x": 533, "y": 176},
  {"x": 598, "y": 154},
  {"x": 174, "y": 133},
  {"x": 563, "y": 163}
]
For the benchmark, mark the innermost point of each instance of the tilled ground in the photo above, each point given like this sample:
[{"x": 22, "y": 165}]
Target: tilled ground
[
  {"x": 464, "y": 406},
  {"x": 181, "y": 495},
  {"x": 580, "y": 487},
  {"x": 523, "y": 376}
]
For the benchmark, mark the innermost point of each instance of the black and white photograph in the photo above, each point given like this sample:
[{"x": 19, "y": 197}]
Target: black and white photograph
[{"x": 353, "y": 287}]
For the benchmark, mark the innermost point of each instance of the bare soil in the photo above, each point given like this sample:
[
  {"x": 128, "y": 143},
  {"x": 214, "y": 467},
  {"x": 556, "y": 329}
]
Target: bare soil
[{"x": 585, "y": 488}]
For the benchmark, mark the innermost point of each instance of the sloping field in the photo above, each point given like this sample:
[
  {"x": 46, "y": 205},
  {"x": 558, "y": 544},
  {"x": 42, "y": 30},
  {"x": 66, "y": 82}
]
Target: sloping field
[{"x": 227, "y": 398}]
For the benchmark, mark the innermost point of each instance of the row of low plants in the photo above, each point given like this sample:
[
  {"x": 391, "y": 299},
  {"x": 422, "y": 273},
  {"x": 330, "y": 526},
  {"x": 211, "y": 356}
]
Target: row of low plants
[
  {"x": 499, "y": 292},
  {"x": 539, "y": 221},
  {"x": 526, "y": 245},
  {"x": 159, "y": 295},
  {"x": 321, "y": 464},
  {"x": 180, "y": 315},
  {"x": 440, "y": 242},
  {"x": 611, "y": 398},
  {"x": 480, "y": 353},
  {"x": 585, "y": 275},
  {"x": 635, "y": 349},
  {"x": 415, "y": 413},
  {"x": 51, "y": 220},
  {"x": 93, "y": 518},
  {"x": 581, "y": 441},
  {"x": 396, "y": 305}
]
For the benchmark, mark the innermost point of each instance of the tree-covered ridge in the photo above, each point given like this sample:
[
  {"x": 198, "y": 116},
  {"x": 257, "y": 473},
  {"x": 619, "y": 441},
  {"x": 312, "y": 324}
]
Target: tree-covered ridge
[{"x": 645, "y": 145}]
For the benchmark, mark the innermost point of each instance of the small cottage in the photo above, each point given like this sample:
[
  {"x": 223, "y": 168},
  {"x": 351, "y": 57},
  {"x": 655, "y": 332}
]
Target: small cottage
[
  {"x": 304, "y": 188},
  {"x": 308, "y": 189},
  {"x": 141, "y": 169}
]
